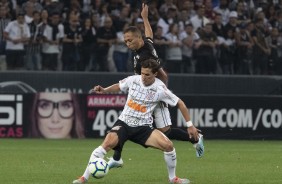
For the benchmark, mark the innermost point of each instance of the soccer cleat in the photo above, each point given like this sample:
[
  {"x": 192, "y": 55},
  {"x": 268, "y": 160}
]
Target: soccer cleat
[
  {"x": 80, "y": 180},
  {"x": 115, "y": 164},
  {"x": 179, "y": 180},
  {"x": 200, "y": 148}
]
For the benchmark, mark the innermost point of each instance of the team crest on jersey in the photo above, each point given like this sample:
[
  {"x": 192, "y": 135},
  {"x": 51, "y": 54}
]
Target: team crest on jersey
[{"x": 150, "y": 95}]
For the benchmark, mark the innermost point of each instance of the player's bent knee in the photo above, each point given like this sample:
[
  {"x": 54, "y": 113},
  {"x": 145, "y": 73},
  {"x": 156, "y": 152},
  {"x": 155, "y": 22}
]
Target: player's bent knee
[
  {"x": 110, "y": 141},
  {"x": 168, "y": 146}
]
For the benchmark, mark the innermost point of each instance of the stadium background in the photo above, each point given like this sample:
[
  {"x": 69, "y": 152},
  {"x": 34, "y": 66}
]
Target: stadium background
[{"x": 222, "y": 107}]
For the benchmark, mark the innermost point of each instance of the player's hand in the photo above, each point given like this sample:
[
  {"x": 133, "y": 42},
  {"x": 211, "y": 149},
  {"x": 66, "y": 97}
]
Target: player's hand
[
  {"x": 144, "y": 12},
  {"x": 99, "y": 89},
  {"x": 193, "y": 133}
]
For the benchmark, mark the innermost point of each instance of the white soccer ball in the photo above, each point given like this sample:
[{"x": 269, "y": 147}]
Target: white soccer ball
[{"x": 98, "y": 168}]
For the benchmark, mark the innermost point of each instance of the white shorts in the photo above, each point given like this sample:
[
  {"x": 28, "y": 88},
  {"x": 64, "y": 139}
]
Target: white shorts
[{"x": 162, "y": 116}]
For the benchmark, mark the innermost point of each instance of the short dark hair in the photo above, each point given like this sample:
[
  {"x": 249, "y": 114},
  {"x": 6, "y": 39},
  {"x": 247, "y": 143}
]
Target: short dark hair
[
  {"x": 152, "y": 64},
  {"x": 132, "y": 29}
]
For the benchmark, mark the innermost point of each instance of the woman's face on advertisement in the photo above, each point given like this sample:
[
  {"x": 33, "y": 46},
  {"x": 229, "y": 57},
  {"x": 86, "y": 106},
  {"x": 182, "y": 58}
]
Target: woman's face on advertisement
[{"x": 55, "y": 113}]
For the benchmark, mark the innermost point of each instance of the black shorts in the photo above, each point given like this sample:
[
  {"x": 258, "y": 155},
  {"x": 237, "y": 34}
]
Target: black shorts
[{"x": 137, "y": 135}]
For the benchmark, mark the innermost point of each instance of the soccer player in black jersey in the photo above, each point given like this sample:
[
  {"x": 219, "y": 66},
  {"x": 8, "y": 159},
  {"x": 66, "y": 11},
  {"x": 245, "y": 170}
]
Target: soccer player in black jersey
[{"x": 143, "y": 48}]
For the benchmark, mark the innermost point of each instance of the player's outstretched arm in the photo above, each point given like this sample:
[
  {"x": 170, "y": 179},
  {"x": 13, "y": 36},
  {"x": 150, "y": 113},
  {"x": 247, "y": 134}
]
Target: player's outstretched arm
[
  {"x": 111, "y": 89},
  {"x": 192, "y": 130},
  {"x": 148, "y": 28}
]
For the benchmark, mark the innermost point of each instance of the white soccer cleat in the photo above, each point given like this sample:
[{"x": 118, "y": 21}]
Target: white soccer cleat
[
  {"x": 179, "y": 180},
  {"x": 115, "y": 164},
  {"x": 200, "y": 148},
  {"x": 80, "y": 180}
]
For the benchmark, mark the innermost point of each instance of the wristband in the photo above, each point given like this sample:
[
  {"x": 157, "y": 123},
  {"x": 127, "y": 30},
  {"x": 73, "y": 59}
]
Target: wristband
[{"x": 189, "y": 123}]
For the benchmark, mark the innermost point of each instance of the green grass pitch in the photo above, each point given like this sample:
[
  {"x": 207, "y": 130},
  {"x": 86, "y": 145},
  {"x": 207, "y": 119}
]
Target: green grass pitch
[{"x": 38, "y": 161}]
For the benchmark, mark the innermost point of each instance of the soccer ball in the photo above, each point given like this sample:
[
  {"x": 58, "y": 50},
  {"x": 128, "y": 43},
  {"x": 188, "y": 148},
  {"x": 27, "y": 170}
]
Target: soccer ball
[{"x": 98, "y": 168}]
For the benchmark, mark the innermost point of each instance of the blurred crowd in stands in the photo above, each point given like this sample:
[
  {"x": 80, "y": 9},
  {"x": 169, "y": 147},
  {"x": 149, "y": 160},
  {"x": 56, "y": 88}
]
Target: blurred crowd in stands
[{"x": 190, "y": 36}]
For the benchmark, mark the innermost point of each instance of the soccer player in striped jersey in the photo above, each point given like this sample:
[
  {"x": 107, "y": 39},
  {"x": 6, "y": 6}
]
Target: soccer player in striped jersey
[{"x": 135, "y": 123}]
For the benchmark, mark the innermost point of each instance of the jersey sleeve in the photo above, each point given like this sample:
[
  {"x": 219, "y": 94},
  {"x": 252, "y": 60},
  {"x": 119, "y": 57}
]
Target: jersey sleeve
[
  {"x": 125, "y": 83},
  {"x": 149, "y": 40},
  {"x": 168, "y": 97},
  {"x": 152, "y": 53}
]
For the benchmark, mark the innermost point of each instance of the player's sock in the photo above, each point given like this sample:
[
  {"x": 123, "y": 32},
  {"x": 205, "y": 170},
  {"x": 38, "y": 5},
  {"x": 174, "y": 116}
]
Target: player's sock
[
  {"x": 117, "y": 155},
  {"x": 179, "y": 134},
  {"x": 99, "y": 152},
  {"x": 170, "y": 159},
  {"x": 86, "y": 173}
]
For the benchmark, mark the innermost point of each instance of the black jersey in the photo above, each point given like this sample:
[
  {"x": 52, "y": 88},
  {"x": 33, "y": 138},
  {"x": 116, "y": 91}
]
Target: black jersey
[{"x": 146, "y": 52}]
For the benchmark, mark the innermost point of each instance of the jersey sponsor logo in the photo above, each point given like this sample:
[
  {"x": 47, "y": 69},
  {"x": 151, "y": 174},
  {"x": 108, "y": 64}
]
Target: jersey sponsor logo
[
  {"x": 136, "y": 106},
  {"x": 132, "y": 121}
]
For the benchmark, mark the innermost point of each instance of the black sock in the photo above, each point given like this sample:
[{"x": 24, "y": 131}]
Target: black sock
[
  {"x": 179, "y": 134},
  {"x": 117, "y": 155}
]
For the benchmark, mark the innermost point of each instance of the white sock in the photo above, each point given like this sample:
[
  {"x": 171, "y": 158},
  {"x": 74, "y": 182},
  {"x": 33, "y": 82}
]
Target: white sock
[
  {"x": 170, "y": 159},
  {"x": 99, "y": 152}
]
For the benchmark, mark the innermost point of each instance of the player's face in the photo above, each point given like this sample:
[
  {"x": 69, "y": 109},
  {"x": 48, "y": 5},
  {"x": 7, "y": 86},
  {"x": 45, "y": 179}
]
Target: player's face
[
  {"x": 132, "y": 40},
  {"x": 148, "y": 77},
  {"x": 55, "y": 115}
]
